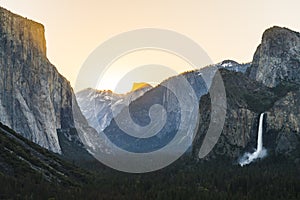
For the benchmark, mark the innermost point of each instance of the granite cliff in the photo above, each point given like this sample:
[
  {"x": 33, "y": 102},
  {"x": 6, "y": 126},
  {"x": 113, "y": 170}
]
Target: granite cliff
[
  {"x": 277, "y": 58},
  {"x": 35, "y": 100},
  {"x": 276, "y": 64},
  {"x": 271, "y": 85}
]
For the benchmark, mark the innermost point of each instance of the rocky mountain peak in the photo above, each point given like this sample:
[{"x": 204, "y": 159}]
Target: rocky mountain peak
[
  {"x": 277, "y": 33},
  {"x": 137, "y": 86},
  {"x": 277, "y": 58},
  {"x": 20, "y": 30},
  {"x": 227, "y": 63}
]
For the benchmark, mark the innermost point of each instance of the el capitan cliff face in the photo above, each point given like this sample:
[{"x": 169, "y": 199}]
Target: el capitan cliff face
[{"x": 35, "y": 100}]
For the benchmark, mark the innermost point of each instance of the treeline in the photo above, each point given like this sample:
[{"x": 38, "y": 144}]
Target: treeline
[{"x": 272, "y": 178}]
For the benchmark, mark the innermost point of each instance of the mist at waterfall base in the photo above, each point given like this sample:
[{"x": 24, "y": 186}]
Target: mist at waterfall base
[{"x": 260, "y": 151}]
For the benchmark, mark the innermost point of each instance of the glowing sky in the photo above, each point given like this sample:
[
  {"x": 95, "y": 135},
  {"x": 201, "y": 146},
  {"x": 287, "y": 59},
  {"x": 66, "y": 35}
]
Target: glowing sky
[{"x": 228, "y": 29}]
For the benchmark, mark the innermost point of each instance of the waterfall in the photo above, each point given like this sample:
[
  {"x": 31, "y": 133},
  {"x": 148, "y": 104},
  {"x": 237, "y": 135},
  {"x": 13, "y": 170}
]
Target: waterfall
[
  {"x": 260, "y": 151},
  {"x": 260, "y": 133}
]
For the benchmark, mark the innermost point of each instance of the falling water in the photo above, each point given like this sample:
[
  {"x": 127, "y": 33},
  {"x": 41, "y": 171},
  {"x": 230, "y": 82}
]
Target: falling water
[{"x": 260, "y": 151}]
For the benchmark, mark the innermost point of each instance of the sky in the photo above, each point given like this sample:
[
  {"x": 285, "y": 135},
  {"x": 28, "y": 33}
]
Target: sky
[{"x": 229, "y": 29}]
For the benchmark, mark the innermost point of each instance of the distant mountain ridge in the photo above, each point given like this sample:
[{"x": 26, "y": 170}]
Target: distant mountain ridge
[
  {"x": 136, "y": 86},
  {"x": 246, "y": 100},
  {"x": 97, "y": 106},
  {"x": 39, "y": 103},
  {"x": 160, "y": 95}
]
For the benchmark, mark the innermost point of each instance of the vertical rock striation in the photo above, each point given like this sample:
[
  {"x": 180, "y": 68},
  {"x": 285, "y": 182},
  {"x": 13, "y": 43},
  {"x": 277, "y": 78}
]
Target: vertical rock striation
[{"x": 35, "y": 99}]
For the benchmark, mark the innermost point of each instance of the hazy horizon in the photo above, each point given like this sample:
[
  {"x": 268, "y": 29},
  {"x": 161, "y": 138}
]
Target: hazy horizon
[{"x": 225, "y": 30}]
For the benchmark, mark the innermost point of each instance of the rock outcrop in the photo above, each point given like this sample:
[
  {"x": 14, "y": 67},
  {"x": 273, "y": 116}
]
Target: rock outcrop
[
  {"x": 283, "y": 122},
  {"x": 276, "y": 64},
  {"x": 277, "y": 58},
  {"x": 274, "y": 89},
  {"x": 243, "y": 107},
  {"x": 35, "y": 100}
]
